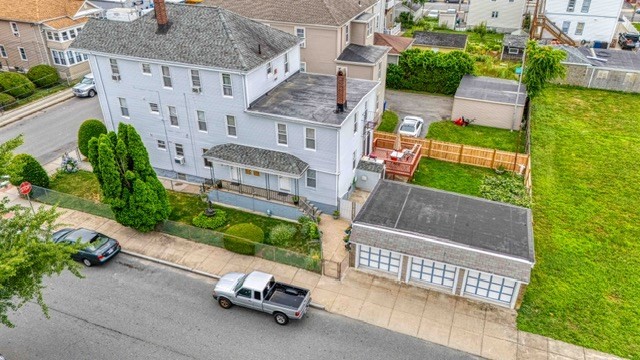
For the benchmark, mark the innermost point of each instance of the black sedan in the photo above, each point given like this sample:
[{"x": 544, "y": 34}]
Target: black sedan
[{"x": 100, "y": 247}]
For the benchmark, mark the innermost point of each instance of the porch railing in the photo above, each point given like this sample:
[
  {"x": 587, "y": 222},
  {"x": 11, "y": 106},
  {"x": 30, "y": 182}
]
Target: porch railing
[{"x": 259, "y": 192}]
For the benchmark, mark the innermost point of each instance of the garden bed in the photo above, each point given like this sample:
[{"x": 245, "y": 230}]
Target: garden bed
[{"x": 475, "y": 135}]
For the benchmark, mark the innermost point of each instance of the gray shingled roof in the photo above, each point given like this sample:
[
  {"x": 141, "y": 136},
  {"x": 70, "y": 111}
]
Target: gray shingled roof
[
  {"x": 515, "y": 41},
  {"x": 255, "y": 158},
  {"x": 371, "y": 166},
  {"x": 438, "y": 39},
  {"x": 318, "y": 12},
  {"x": 199, "y": 35},
  {"x": 363, "y": 54},
  {"x": 491, "y": 89},
  {"x": 448, "y": 217},
  {"x": 615, "y": 59}
]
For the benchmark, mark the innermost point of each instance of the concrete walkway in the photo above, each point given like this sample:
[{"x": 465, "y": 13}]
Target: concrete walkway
[
  {"x": 477, "y": 328},
  {"x": 11, "y": 116}
]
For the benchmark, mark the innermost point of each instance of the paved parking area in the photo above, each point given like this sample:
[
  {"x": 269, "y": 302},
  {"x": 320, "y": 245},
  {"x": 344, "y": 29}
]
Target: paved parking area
[{"x": 430, "y": 107}]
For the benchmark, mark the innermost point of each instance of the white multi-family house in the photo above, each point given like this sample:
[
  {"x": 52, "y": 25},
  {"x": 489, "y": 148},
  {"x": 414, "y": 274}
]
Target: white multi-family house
[
  {"x": 217, "y": 96},
  {"x": 504, "y": 16},
  {"x": 584, "y": 20}
]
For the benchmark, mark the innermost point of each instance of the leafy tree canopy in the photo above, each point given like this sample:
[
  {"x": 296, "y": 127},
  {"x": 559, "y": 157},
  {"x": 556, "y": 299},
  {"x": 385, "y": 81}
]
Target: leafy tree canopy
[
  {"x": 6, "y": 153},
  {"x": 543, "y": 64}
]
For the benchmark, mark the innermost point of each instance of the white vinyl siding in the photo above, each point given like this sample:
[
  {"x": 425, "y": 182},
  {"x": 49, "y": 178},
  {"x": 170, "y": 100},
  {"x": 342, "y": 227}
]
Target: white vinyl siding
[
  {"x": 379, "y": 259},
  {"x": 489, "y": 286}
]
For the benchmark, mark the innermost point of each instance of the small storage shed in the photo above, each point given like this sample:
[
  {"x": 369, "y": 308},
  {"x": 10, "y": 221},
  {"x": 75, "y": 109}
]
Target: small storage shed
[
  {"x": 490, "y": 101},
  {"x": 437, "y": 41},
  {"x": 453, "y": 243},
  {"x": 513, "y": 47}
]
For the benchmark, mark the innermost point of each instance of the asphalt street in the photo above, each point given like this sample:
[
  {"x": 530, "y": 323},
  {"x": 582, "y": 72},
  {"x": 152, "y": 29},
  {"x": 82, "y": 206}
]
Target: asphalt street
[
  {"x": 50, "y": 132},
  {"x": 134, "y": 309}
]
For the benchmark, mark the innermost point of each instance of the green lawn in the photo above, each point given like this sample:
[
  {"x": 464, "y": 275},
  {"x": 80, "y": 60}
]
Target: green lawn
[
  {"x": 82, "y": 184},
  {"x": 637, "y": 26},
  {"x": 475, "y": 135},
  {"x": 463, "y": 179},
  {"x": 389, "y": 121},
  {"x": 585, "y": 287}
]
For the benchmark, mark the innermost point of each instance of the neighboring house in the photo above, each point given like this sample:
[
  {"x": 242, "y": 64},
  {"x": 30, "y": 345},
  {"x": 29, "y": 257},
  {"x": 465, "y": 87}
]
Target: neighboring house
[
  {"x": 438, "y": 41},
  {"x": 513, "y": 47},
  {"x": 584, "y": 20},
  {"x": 390, "y": 26},
  {"x": 398, "y": 44},
  {"x": 127, "y": 4},
  {"x": 416, "y": 9},
  {"x": 447, "y": 242},
  {"x": 602, "y": 69},
  {"x": 503, "y": 16},
  {"x": 232, "y": 106},
  {"x": 331, "y": 32},
  {"x": 39, "y": 32},
  {"x": 490, "y": 101}
]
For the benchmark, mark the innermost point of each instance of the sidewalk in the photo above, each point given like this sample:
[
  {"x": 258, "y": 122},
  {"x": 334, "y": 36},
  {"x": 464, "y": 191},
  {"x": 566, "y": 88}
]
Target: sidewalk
[
  {"x": 476, "y": 328},
  {"x": 11, "y": 116}
]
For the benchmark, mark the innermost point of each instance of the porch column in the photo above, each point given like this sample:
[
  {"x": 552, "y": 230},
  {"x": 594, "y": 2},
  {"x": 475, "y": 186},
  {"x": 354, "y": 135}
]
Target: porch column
[{"x": 266, "y": 180}]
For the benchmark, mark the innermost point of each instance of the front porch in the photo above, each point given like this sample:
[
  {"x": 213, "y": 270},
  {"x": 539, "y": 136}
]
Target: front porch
[{"x": 400, "y": 158}]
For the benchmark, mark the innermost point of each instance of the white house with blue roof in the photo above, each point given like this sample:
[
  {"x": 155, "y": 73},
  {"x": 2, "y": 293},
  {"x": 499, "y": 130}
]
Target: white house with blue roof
[{"x": 218, "y": 99}]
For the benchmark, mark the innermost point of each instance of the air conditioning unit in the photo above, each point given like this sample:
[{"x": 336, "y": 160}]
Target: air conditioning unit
[
  {"x": 196, "y": 89},
  {"x": 179, "y": 160},
  {"x": 115, "y": 77}
]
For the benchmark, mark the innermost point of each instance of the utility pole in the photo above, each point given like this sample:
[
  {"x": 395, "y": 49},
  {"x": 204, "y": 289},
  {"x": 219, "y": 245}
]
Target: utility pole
[{"x": 515, "y": 107}]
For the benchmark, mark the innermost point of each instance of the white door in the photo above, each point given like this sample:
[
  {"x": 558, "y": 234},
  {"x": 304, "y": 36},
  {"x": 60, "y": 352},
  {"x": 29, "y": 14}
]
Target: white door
[
  {"x": 233, "y": 172},
  {"x": 493, "y": 287},
  {"x": 379, "y": 259},
  {"x": 284, "y": 183},
  {"x": 433, "y": 272}
]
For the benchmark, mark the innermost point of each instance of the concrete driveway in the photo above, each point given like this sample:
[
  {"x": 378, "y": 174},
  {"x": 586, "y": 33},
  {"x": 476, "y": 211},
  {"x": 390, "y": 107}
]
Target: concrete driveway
[{"x": 430, "y": 107}]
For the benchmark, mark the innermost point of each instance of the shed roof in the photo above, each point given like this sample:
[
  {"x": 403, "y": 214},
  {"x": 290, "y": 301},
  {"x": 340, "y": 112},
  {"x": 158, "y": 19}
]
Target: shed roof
[
  {"x": 450, "y": 218},
  {"x": 439, "y": 39},
  {"x": 515, "y": 41},
  {"x": 491, "y": 89},
  {"x": 251, "y": 157},
  {"x": 397, "y": 44},
  {"x": 363, "y": 54},
  {"x": 198, "y": 35},
  {"x": 605, "y": 58}
]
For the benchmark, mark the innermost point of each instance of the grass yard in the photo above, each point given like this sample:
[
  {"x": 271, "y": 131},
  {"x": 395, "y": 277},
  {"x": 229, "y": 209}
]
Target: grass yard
[
  {"x": 475, "y": 135},
  {"x": 637, "y": 26},
  {"x": 462, "y": 179},
  {"x": 389, "y": 121},
  {"x": 585, "y": 287},
  {"x": 81, "y": 184}
]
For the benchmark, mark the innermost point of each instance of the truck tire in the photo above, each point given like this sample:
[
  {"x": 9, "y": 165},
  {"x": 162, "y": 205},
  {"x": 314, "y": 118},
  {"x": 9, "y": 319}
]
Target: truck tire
[
  {"x": 92, "y": 93},
  {"x": 225, "y": 303},
  {"x": 280, "y": 318}
]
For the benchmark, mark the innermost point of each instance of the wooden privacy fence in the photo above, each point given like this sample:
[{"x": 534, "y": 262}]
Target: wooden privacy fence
[{"x": 462, "y": 154}]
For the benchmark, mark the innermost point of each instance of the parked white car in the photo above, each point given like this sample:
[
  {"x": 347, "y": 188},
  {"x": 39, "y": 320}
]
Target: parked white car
[
  {"x": 411, "y": 126},
  {"x": 433, "y": 14}
]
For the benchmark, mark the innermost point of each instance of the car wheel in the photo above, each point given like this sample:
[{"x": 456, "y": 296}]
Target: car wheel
[
  {"x": 280, "y": 318},
  {"x": 86, "y": 262},
  {"x": 225, "y": 303},
  {"x": 92, "y": 93}
]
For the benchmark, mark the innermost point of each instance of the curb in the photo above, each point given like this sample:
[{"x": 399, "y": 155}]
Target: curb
[
  {"x": 37, "y": 106},
  {"x": 192, "y": 270}
]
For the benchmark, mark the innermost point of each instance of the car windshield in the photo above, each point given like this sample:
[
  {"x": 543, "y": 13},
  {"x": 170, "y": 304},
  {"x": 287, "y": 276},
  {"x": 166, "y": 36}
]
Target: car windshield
[
  {"x": 633, "y": 37},
  {"x": 408, "y": 127},
  {"x": 240, "y": 283},
  {"x": 87, "y": 81},
  {"x": 97, "y": 242}
]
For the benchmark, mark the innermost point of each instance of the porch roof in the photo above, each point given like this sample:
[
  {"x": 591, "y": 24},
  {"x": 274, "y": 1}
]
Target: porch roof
[{"x": 268, "y": 161}]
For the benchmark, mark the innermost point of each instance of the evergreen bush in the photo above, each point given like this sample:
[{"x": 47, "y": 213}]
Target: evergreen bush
[
  {"x": 43, "y": 76},
  {"x": 6, "y": 100},
  {"x": 88, "y": 130},
  {"x": 210, "y": 222},
  {"x": 282, "y": 234},
  {"x": 243, "y": 238},
  {"x": 25, "y": 167},
  {"x": 16, "y": 85}
]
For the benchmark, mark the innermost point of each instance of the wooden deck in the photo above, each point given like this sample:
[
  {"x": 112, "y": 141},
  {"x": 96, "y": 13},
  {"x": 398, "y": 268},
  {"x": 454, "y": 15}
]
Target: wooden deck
[{"x": 401, "y": 163}]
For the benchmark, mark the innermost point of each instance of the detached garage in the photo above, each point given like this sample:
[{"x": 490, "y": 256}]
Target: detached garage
[
  {"x": 444, "y": 241},
  {"x": 490, "y": 101}
]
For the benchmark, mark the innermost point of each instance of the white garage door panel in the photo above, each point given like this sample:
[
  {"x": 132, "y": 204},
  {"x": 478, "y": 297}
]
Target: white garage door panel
[
  {"x": 493, "y": 287},
  {"x": 433, "y": 272},
  {"x": 379, "y": 259}
]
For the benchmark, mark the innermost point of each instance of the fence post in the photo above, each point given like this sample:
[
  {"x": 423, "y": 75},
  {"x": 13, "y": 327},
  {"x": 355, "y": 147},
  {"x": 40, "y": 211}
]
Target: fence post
[
  {"x": 493, "y": 158},
  {"x": 460, "y": 154},
  {"x": 429, "y": 148}
]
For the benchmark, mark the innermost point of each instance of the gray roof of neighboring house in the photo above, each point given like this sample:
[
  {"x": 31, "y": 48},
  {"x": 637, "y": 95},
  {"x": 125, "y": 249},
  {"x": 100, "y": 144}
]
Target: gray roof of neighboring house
[
  {"x": 363, "y": 54},
  {"x": 311, "y": 97},
  {"x": 615, "y": 59},
  {"x": 491, "y": 89},
  {"x": 317, "y": 12},
  {"x": 438, "y": 39},
  {"x": 515, "y": 41},
  {"x": 198, "y": 35},
  {"x": 255, "y": 158},
  {"x": 451, "y": 218},
  {"x": 371, "y": 166},
  {"x": 364, "y": 17}
]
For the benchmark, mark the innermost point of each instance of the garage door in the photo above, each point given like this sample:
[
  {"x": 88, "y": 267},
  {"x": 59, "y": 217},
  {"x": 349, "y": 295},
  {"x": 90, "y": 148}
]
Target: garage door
[
  {"x": 379, "y": 259},
  {"x": 433, "y": 272},
  {"x": 488, "y": 286}
]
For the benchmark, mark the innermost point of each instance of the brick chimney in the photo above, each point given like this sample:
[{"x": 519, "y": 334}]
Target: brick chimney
[
  {"x": 341, "y": 91},
  {"x": 161, "y": 16}
]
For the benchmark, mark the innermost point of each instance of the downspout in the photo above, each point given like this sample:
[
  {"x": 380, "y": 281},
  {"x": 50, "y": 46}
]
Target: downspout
[
  {"x": 193, "y": 145},
  {"x": 166, "y": 134}
]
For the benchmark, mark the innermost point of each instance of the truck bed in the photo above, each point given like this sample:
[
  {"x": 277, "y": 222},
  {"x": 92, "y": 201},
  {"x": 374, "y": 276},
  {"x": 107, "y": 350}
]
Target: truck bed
[{"x": 287, "y": 295}]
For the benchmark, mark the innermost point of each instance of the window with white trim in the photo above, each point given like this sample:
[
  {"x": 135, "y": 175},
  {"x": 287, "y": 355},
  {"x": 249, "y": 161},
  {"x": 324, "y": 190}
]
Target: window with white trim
[
  {"x": 301, "y": 33},
  {"x": 146, "y": 69},
  {"x": 310, "y": 138},
  {"x": 115, "y": 71},
  {"x": 514, "y": 51},
  {"x": 166, "y": 77},
  {"x": 231, "y": 126},
  {"x": 365, "y": 113},
  {"x": 286, "y": 63},
  {"x": 65, "y": 36},
  {"x": 3, "y": 52},
  {"x": 281, "y": 130},
  {"x": 494, "y": 14},
  {"x": 72, "y": 33},
  {"x": 311, "y": 178},
  {"x": 14, "y": 28},
  {"x": 355, "y": 122},
  {"x": 586, "y": 4},
  {"x": 571, "y": 5},
  {"x": 565, "y": 26},
  {"x": 346, "y": 33},
  {"x": 377, "y": 102},
  {"x": 179, "y": 150},
  {"x": 379, "y": 70},
  {"x": 269, "y": 68},
  {"x": 227, "y": 88},
  {"x": 369, "y": 28},
  {"x": 207, "y": 163},
  {"x": 579, "y": 28},
  {"x": 154, "y": 108},
  {"x": 195, "y": 79},
  {"x": 56, "y": 36},
  {"x": 67, "y": 58},
  {"x": 173, "y": 116},
  {"x": 59, "y": 57},
  {"x": 202, "y": 121},
  {"x": 124, "y": 110},
  {"x": 162, "y": 145},
  {"x": 23, "y": 53},
  {"x": 353, "y": 165},
  {"x": 303, "y": 67},
  {"x": 72, "y": 59}
]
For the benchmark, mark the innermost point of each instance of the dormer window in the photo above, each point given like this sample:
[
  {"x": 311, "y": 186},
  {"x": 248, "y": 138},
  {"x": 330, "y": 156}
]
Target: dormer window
[{"x": 269, "y": 68}]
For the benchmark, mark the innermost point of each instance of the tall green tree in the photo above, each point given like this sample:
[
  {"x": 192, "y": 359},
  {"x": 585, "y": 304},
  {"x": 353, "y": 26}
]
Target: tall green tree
[
  {"x": 27, "y": 254},
  {"x": 543, "y": 64},
  {"x": 6, "y": 153},
  {"x": 127, "y": 180}
]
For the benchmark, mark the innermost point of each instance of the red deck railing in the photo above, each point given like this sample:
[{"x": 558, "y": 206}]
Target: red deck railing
[{"x": 403, "y": 162}]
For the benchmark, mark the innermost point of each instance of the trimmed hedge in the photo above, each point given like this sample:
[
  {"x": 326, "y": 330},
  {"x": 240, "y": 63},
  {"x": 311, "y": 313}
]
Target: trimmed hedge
[
  {"x": 210, "y": 222},
  {"x": 6, "y": 100},
  {"x": 243, "y": 238},
  {"x": 43, "y": 76},
  {"x": 89, "y": 129},
  {"x": 16, "y": 85},
  {"x": 239, "y": 246},
  {"x": 25, "y": 167}
]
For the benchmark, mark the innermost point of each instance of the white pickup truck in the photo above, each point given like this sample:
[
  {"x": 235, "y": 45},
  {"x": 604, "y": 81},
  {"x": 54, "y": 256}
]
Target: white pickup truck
[{"x": 260, "y": 291}]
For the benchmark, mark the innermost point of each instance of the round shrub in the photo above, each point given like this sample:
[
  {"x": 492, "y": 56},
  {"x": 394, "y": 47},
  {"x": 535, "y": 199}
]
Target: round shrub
[
  {"x": 43, "y": 76},
  {"x": 239, "y": 246},
  {"x": 282, "y": 234},
  {"x": 247, "y": 231},
  {"x": 6, "y": 100},
  {"x": 25, "y": 167},
  {"x": 16, "y": 85},
  {"x": 89, "y": 129},
  {"x": 210, "y": 222}
]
